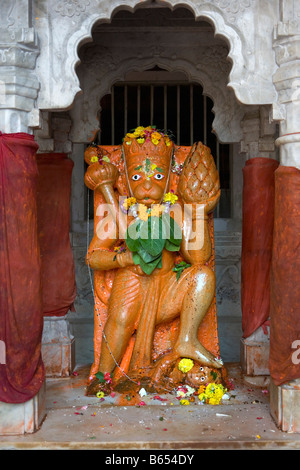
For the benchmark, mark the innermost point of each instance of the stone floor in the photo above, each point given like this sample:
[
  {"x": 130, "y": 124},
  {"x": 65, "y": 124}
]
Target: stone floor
[{"x": 76, "y": 422}]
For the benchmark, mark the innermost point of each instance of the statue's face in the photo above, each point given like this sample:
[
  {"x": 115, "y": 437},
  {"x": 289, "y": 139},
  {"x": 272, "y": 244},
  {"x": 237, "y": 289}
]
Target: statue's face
[{"x": 148, "y": 182}]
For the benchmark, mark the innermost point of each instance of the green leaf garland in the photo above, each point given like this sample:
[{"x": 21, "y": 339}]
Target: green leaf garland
[{"x": 147, "y": 239}]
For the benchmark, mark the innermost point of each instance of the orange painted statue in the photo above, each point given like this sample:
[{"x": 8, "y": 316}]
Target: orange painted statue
[{"x": 152, "y": 254}]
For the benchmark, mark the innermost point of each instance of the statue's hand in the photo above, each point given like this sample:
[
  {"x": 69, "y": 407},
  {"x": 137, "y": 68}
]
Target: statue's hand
[
  {"x": 126, "y": 259},
  {"x": 100, "y": 174}
]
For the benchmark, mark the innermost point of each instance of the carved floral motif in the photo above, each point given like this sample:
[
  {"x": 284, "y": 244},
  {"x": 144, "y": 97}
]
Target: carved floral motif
[
  {"x": 233, "y": 7},
  {"x": 71, "y": 7}
]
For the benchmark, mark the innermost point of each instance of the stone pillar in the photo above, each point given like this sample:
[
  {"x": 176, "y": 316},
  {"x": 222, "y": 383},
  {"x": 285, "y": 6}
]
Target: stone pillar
[
  {"x": 285, "y": 384},
  {"x": 18, "y": 92},
  {"x": 58, "y": 342},
  {"x": 258, "y": 141},
  {"x": 18, "y": 53}
]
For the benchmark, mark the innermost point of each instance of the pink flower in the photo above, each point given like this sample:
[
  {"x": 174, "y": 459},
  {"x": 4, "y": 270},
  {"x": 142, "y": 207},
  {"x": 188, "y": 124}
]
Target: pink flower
[{"x": 107, "y": 378}]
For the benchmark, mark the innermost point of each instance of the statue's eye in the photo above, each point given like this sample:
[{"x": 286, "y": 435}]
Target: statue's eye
[
  {"x": 158, "y": 176},
  {"x": 136, "y": 177},
  {"x": 202, "y": 379}
]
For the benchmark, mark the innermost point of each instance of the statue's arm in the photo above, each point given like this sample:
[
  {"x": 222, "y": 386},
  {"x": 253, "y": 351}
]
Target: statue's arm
[
  {"x": 102, "y": 178},
  {"x": 104, "y": 260},
  {"x": 196, "y": 243},
  {"x": 110, "y": 228},
  {"x": 199, "y": 190},
  {"x": 101, "y": 254}
]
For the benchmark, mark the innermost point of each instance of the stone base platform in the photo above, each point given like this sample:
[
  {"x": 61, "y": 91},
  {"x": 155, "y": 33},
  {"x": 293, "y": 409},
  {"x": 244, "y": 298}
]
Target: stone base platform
[
  {"x": 254, "y": 357},
  {"x": 75, "y": 421},
  {"x": 58, "y": 347},
  {"x": 23, "y": 418},
  {"x": 285, "y": 405}
]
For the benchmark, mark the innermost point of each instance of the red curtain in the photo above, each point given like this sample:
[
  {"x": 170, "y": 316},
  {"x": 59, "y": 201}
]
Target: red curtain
[
  {"x": 284, "y": 361},
  {"x": 21, "y": 320},
  {"x": 53, "y": 202},
  {"x": 258, "y": 220}
]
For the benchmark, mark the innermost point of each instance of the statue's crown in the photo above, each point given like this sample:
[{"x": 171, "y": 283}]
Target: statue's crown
[{"x": 147, "y": 142}]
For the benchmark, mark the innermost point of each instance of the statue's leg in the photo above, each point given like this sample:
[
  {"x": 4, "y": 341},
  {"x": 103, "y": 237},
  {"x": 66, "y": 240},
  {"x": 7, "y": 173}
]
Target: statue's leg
[
  {"x": 123, "y": 310},
  {"x": 199, "y": 294},
  {"x": 190, "y": 297}
]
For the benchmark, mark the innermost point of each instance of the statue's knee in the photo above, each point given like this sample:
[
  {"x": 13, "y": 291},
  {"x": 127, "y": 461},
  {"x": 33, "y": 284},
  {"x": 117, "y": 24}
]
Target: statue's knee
[
  {"x": 123, "y": 318},
  {"x": 204, "y": 279}
]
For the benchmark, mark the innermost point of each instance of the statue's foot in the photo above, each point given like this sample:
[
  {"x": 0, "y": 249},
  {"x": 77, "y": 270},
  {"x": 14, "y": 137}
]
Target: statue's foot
[
  {"x": 162, "y": 366},
  {"x": 95, "y": 386},
  {"x": 198, "y": 353}
]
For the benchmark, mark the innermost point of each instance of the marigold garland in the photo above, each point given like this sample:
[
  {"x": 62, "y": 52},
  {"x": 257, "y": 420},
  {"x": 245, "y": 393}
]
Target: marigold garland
[
  {"x": 143, "y": 134},
  {"x": 143, "y": 212}
]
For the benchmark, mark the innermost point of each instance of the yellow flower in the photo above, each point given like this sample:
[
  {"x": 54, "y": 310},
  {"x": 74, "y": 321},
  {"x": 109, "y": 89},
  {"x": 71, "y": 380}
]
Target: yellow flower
[
  {"x": 217, "y": 389},
  {"x": 106, "y": 159},
  {"x": 130, "y": 201},
  {"x": 140, "y": 140},
  {"x": 157, "y": 210},
  {"x": 156, "y": 136},
  {"x": 143, "y": 214},
  {"x": 139, "y": 131},
  {"x": 94, "y": 159},
  {"x": 201, "y": 389},
  {"x": 185, "y": 365},
  {"x": 154, "y": 141},
  {"x": 100, "y": 395},
  {"x": 211, "y": 394},
  {"x": 170, "y": 197},
  {"x": 214, "y": 400},
  {"x": 167, "y": 141},
  {"x": 184, "y": 402}
]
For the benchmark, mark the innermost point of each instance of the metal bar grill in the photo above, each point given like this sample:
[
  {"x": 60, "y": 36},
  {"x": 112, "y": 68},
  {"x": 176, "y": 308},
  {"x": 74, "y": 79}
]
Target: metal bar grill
[
  {"x": 191, "y": 114},
  {"x": 204, "y": 120},
  {"x": 178, "y": 114},
  {"x": 151, "y": 104},
  {"x": 138, "y": 91},
  {"x": 112, "y": 115},
  {"x": 165, "y": 107},
  {"x": 125, "y": 109},
  {"x": 180, "y": 107}
]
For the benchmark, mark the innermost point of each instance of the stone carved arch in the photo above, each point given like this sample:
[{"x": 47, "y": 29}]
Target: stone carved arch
[
  {"x": 228, "y": 17},
  {"x": 228, "y": 112}
]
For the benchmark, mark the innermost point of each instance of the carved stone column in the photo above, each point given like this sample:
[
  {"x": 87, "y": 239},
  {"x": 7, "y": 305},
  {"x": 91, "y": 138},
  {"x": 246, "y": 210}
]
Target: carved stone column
[
  {"x": 258, "y": 142},
  {"x": 18, "y": 53},
  {"x": 284, "y": 358}
]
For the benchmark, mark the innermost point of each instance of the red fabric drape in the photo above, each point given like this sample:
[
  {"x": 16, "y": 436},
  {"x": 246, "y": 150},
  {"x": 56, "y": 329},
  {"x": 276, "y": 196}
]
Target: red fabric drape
[
  {"x": 284, "y": 363},
  {"x": 21, "y": 320},
  {"x": 258, "y": 219},
  {"x": 53, "y": 202}
]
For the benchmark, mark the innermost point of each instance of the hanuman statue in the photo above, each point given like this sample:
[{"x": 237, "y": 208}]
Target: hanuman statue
[{"x": 152, "y": 256}]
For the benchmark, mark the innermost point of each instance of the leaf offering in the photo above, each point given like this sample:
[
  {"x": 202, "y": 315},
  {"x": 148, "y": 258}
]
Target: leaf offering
[{"x": 147, "y": 240}]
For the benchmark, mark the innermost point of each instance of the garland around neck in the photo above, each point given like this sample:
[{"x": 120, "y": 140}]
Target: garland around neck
[{"x": 141, "y": 211}]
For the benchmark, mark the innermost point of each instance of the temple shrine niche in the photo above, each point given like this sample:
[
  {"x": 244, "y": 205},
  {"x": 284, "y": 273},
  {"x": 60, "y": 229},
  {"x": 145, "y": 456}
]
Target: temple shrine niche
[
  {"x": 153, "y": 259},
  {"x": 60, "y": 61}
]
